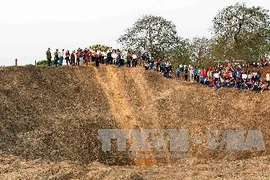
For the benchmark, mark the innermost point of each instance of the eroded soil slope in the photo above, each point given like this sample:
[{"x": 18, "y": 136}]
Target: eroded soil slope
[{"x": 54, "y": 114}]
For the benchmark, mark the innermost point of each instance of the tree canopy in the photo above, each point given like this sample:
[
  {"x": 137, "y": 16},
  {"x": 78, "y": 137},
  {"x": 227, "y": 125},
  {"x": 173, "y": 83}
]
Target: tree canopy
[
  {"x": 153, "y": 34},
  {"x": 100, "y": 47},
  {"x": 241, "y": 32},
  {"x": 201, "y": 49}
]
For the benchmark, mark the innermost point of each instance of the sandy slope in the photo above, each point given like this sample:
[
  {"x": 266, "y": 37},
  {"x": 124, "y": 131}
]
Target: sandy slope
[{"x": 50, "y": 119}]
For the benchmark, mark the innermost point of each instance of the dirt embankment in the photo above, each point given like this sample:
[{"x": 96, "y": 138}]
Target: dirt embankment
[{"x": 55, "y": 113}]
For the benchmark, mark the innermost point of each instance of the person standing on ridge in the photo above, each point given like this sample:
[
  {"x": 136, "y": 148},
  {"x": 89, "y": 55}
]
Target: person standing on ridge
[
  {"x": 81, "y": 57},
  {"x": 78, "y": 56},
  {"x": 186, "y": 73},
  {"x": 49, "y": 56},
  {"x": 61, "y": 57},
  {"x": 72, "y": 58},
  {"x": 96, "y": 58},
  {"x": 109, "y": 57},
  {"x": 56, "y": 57},
  {"x": 87, "y": 56},
  {"x": 67, "y": 56},
  {"x": 129, "y": 59},
  {"x": 134, "y": 59}
]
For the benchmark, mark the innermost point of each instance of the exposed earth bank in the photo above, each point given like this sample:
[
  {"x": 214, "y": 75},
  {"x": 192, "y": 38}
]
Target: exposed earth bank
[{"x": 50, "y": 118}]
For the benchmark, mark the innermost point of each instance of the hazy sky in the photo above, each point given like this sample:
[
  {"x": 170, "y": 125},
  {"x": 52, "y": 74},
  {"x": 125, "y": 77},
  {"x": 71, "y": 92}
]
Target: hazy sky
[{"x": 29, "y": 27}]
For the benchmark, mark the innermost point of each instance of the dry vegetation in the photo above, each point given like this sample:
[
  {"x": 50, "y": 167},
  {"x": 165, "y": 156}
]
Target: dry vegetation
[{"x": 50, "y": 118}]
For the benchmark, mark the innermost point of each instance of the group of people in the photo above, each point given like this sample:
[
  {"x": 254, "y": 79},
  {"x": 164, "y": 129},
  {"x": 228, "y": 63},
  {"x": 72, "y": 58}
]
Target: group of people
[
  {"x": 222, "y": 76},
  {"x": 225, "y": 77},
  {"x": 84, "y": 56},
  {"x": 162, "y": 66}
]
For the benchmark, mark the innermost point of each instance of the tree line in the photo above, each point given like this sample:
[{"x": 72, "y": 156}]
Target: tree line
[{"x": 238, "y": 33}]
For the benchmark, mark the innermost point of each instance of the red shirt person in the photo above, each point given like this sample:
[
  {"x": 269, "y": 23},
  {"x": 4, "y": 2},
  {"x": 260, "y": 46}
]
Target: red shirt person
[{"x": 67, "y": 56}]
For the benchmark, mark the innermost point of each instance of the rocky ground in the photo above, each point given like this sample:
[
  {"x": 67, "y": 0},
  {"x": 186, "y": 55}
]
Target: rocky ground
[{"x": 12, "y": 167}]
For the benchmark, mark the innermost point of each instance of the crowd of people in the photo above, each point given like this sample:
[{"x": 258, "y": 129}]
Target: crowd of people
[
  {"x": 223, "y": 76},
  {"x": 84, "y": 56}
]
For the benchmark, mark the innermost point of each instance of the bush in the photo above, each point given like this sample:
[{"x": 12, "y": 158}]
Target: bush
[{"x": 42, "y": 63}]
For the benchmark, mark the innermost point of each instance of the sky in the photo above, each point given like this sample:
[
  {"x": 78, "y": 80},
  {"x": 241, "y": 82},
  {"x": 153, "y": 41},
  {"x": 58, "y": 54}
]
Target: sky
[{"x": 29, "y": 27}]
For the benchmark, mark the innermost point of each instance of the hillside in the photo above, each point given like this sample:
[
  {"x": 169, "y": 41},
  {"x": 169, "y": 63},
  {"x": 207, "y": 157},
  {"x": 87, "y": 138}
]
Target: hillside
[{"x": 50, "y": 119}]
